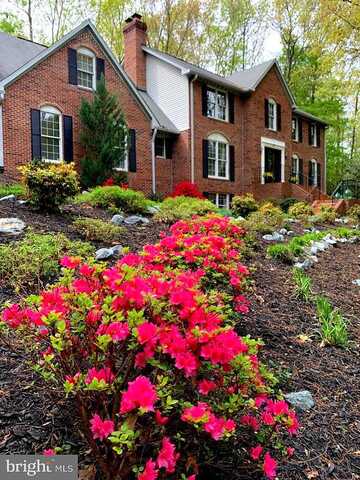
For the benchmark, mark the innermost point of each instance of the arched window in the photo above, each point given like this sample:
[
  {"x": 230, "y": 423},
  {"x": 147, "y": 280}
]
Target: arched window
[
  {"x": 272, "y": 114},
  {"x": 86, "y": 64},
  {"x": 218, "y": 156},
  {"x": 51, "y": 134}
]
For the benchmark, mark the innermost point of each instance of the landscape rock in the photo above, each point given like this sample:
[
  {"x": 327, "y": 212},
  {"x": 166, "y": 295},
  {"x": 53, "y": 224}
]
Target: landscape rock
[
  {"x": 117, "y": 250},
  {"x": 134, "y": 220},
  {"x": 283, "y": 231},
  {"x": 307, "y": 263},
  {"x": 11, "y": 226},
  {"x": 342, "y": 220},
  {"x": 302, "y": 400},
  {"x": 321, "y": 246},
  {"x": 118, "y": 219},
  {"x": 152, "y": 209},
  {"x": 356, "y": 282},
  {"x": 103, "y": 253},
  {"x": 329, "y": 239},
  {"x": 22, "y": 202},
  {"x": 290, "y": 232},
  {"x": 239, "y": 218},
  {"x": 8, "y": 198},
  {"x": 274, "y": 237}
]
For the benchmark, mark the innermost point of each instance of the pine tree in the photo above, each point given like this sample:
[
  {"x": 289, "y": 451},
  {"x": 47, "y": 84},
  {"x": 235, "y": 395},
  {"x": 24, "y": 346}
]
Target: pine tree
[{"x": 104, "y": 136}]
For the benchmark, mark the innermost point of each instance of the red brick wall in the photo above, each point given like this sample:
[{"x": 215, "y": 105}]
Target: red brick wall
[
  {"x": 134, "y": 59},
  {"x": 48, "y": 83}
]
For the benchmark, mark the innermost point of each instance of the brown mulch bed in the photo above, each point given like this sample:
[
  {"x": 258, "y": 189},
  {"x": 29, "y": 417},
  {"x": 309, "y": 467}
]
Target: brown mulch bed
[{"x": 328, "y": 446}]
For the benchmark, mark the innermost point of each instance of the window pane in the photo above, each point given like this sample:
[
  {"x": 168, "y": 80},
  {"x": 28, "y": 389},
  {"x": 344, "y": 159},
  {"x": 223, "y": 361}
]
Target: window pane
[
  {"x": 85, "y": 63},
  {"x": 222, "y": 200},
  {"x": 211, "y": 103},
  {"x": 85, "y": 79},
  {"x": 211, "y": 166},
  {"x": 222, "y": 151},
  {"x": 221, "y": 168},
  {"x": 50, "y": 148},
  {"x": 211, "y": 149},
  {"x": 212, "y": 197},
  {"x": 221, "y": 106},
  {"x": 50, "y": 124}
]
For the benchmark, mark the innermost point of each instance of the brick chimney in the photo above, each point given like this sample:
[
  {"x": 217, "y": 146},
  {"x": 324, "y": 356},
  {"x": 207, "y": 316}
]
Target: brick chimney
[{"x": 134, "y": 58}]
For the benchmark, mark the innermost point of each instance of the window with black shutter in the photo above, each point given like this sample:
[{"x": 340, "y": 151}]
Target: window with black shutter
[
  {"x": 205, "y": 158},
  {"x": 132, "y": 150},
  {"x": 35, "y": 134},
  {"x": 68, "y": 138}
]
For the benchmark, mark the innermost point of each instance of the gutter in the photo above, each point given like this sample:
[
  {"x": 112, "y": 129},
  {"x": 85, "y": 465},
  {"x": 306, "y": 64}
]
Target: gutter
[
  {"x": 153, "y": 165},
  {"x": 192, "y": 132}
]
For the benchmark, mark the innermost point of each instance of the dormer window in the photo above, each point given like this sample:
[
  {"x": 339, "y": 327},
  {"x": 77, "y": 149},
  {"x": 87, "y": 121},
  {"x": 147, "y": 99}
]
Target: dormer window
[
  {"x": 272, "y": 114},
  {"x": 86, "y": 64},
  {"x": 217, "y": 104},
  {"x": 313, "y": 135}
]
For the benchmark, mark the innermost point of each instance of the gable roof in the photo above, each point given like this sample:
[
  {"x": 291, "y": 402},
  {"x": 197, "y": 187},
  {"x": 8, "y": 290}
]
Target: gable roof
[
  {"x": 43, "y": 53},
  {"x": 191, "y": 69},
  {"x": 15, "y": 52}
]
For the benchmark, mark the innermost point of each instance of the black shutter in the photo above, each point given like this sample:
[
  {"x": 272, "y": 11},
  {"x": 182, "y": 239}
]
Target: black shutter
[
  {"x": 231, "y": 107},
  {"x": 318, "y": 135},
  {"x": 231, "y": 199},
  {"x": 319, "y": 176},
  {"x": 68, "y": 138},
  {"x": 35, "y": 134},
  {"x": 204, "y": 99},
  {"x": 278, "y": 117},
  {"x": 266, "y": 113},
  {"x": 72, "y": 66},
  {"x": 132, "y": 150},
  {"x": 310, "y": 182},
  {"x": 232, "y": 163},
  {"x": 100, "y": 68},
  {"x": 301, "y": 171},
  {"x": 309, "y": 124},
  {"x": 205, "y": 158},
  {"x": 300, "y": 129},
  {"x": 168, "y": 147}
]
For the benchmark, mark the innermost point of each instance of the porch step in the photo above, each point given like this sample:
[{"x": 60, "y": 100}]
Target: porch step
[{"x": 338, "y": 205}]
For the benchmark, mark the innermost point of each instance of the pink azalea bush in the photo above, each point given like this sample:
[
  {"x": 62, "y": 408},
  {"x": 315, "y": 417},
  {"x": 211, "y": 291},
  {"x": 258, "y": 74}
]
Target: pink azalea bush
[{"x": 148, "y": 349}]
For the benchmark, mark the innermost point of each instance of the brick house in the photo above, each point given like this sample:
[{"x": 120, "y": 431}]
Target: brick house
[{"x": 243, "y": 133}]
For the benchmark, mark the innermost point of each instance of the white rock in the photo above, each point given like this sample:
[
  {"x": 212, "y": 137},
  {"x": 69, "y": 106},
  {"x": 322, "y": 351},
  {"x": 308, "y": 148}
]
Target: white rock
[
  {"x": 117, "y": 250},
  {"x": 134, "y": 219},
  {"x": 11, "y": 226},
  {"x": 275, "y": 237},
  {"x": 8, "y": 198},
  {"x": 152, "y": 209},
  {"x": 22, "y": 202},
  {"x": 356, "y": 282},
  {"x": 103, "y": 253},
  {"x": 117, "y": 219},
  {"x": 283, "y": 231}
]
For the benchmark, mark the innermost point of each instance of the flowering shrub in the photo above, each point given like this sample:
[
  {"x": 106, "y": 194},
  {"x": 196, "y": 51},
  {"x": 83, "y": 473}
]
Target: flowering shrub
[
  {"x": 148, "y": 350},
  {"x": 187, "y": 189},
  {"x": 181, "y": 208}
]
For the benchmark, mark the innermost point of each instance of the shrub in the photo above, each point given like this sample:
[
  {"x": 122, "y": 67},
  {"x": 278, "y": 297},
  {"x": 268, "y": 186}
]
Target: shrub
[
  {"x": 12, "y": 189},
  {"x": 300, "y": 210},
  {"x": 303, "y": 284},
  {"x": 147, "y": 349},
  {"x": 30, "y": 263},
  {"x": 333, "y": 328},
  {"x": 281, "y": 252},
  {"x": 327, "y": 214},
  {"x": 187, "y": 189},
  {"x": 286, "y": 203},
  {"x": 265, "y": 220},
  {"x": 125, "y": 199},
  {"x": 243, "y": 205},
  {"x": 354, "y": 213},
  {"x": 179, "y": 208},
  {"x": 97, "y": 230},
  {"x": 49, "y": 185},
  {"x": 117, "y": 178}
]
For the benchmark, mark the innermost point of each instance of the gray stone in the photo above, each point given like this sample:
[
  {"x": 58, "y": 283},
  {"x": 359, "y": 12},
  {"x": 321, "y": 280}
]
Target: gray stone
[
  {"x": 353, "y": 239},
  {"x": 8, "y": 198},
  {"x": 283, "y": 231},
  {"x": 152, "y": 209},
  {"x": 356, "y": 282},
  {"x": 22, "y": 202},
  {"x": 313, "y": 250},
  {"x": 321, "y": 246},
  {"x": 302, "y": 400},
  {"x": 103, "y": 253},
  {"x": 118, "y": 219},
  {"x": 290, "y": 232},
  {"x": 11, "y": 226},
  {"x": 307, "y": 263},
  {"x": 134, "y": 220},
  {"x": 329, "y": 239},
  {"x": 343, "y": 240},
  {"x": 117, "y": 250},
  {"x": 274, "y": 237},
  {"x": 342, "y": 220}
]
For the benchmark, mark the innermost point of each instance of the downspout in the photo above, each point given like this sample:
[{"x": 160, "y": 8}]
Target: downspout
[
  {"x": 192, "y": 132},
  {"x": 153, "y": 165},
  {"x": 325, "y": 164},
  {"x": 2, "y": 96}
]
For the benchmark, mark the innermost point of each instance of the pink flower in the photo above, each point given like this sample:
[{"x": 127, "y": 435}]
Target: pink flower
[
  {"x": 293, "y": 426},
  {"x": 13, "y": 316},
  {"x": 167, "y": 457},
  {"x": 196, "y": 414},
  {"x": 217, "y": 426},
  {"x": 104, "y": 374},
  {"x": 141, "y": 393},
  {"x": 255, "y": 452},
  {"x": 206, "y": 386},
  {"x": 49, "y": 452},
  {"x": 101, "y": 429},
  {"x": 150, "y": 472},
  {"x": 118, "y": 331},
  {"x": 147, "y": 333},
  {"x": 290, "y": 451},
  {"x": 223, "y": 348},
  {"x": 267, "y": 418},
  {"x": 269, "y": 466},
  {"x": 250, "y": 421},
  {"x": 70, "y": 262},
  {"x": 159, "y": 419}
]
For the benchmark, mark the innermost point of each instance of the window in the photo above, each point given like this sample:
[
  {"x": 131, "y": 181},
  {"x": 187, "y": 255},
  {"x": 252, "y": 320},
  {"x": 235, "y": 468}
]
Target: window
[
  {"x": 295, "y": 170},
  {"x": 51, "y": 134},
  {"x": 272, "y": 114},
  {"x": 295, "y": 129},
  {"x": 313, "y": 170},
  {"x": 221, "y": 200},
  {"x": 313, "y": 134},
  {"x": 160, "y": 147},
  {"x": 86, "y": 69},
  {"x": 218, "y": 157},
  {"x": 216, "y": 104}
]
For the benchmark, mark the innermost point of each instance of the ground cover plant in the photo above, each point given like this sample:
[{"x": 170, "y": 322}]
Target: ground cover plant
[
  {"x": 147, "y": 348},
  {"x": 333, "y": 327},
  {"x": 300, "y": 210},
  {"x": 354, "y": 213},
  {"x": 48, "y": 186},
  {"x": 181, "y": 208},
  {"x": 97, "y": 230},
  {"x": 303, "y": 285},
  {"x": 12, "y": 189},
  {"x": 28, "y": 264},
  {"x": 115, "y": 197}
]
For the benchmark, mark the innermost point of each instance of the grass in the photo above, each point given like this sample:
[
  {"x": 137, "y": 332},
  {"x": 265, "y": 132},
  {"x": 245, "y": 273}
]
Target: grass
[
  {"x": 12, "y": 189},
  {"x": 333, "y": 327},
  {"x": 303, "y": 285},
  {"x": 281, "y": 251}
]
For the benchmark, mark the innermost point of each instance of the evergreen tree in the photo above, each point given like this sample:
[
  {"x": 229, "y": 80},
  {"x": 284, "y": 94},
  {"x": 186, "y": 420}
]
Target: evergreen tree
[{"x": 104, "y": 136}]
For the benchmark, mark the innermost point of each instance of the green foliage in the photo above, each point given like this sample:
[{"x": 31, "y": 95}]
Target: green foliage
[
  {"x": 182, "y": 208},
  {"x": 28, "y": 264},
  {"x": 286, "y": 203},
  {"x": 333, "y": 326},
  {"x": 125, "y": 199},
  {"x": 243, "y": 205},
  {"x": 300, "y": 210},
  {"x": 12, "y": 189},
  {"x": 11, "y": 24},
  {"x": 49, "y": 185},
  {"x": 97, "y": 230},
  {"x": 103, "y": 136},
  {"x": 281, "y": 251},
  {"x": 327, "y": 214},
  {"x": 354, "y": 213},
  {"x": 265, "y": 219},
  {"x": 303, "y": 284}
]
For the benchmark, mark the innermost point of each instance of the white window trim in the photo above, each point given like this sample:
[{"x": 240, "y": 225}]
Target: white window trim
[
  {"x": 296, "y": 139},
  {"x": 314, "y": 142},
  {"x": 297, "y": 171},
  {"x": 272, "y": 143},
  {"x": 88, "y": 53},
  {"x": 1, "y": 139},
  {"x": 50, "y": 109},
  {"x": 271, "y": 101},
  {"x": 315, "y": 169},
  {"x": 214, "y": 117},
  {"x": 227, "y": 206},
  {"x": 215, "y": 137},
  {"x": 126, "y": 167},
  {"x": 164, "y": 145}
]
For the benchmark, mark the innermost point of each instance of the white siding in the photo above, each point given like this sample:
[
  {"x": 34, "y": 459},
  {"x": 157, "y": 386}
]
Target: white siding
[
  {"x": 1, "y": 140},
  {"x": 169, "y": 89}
]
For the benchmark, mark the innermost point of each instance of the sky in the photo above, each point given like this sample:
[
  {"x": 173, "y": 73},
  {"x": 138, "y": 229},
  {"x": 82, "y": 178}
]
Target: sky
[{"x": 272, "y": 45}]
